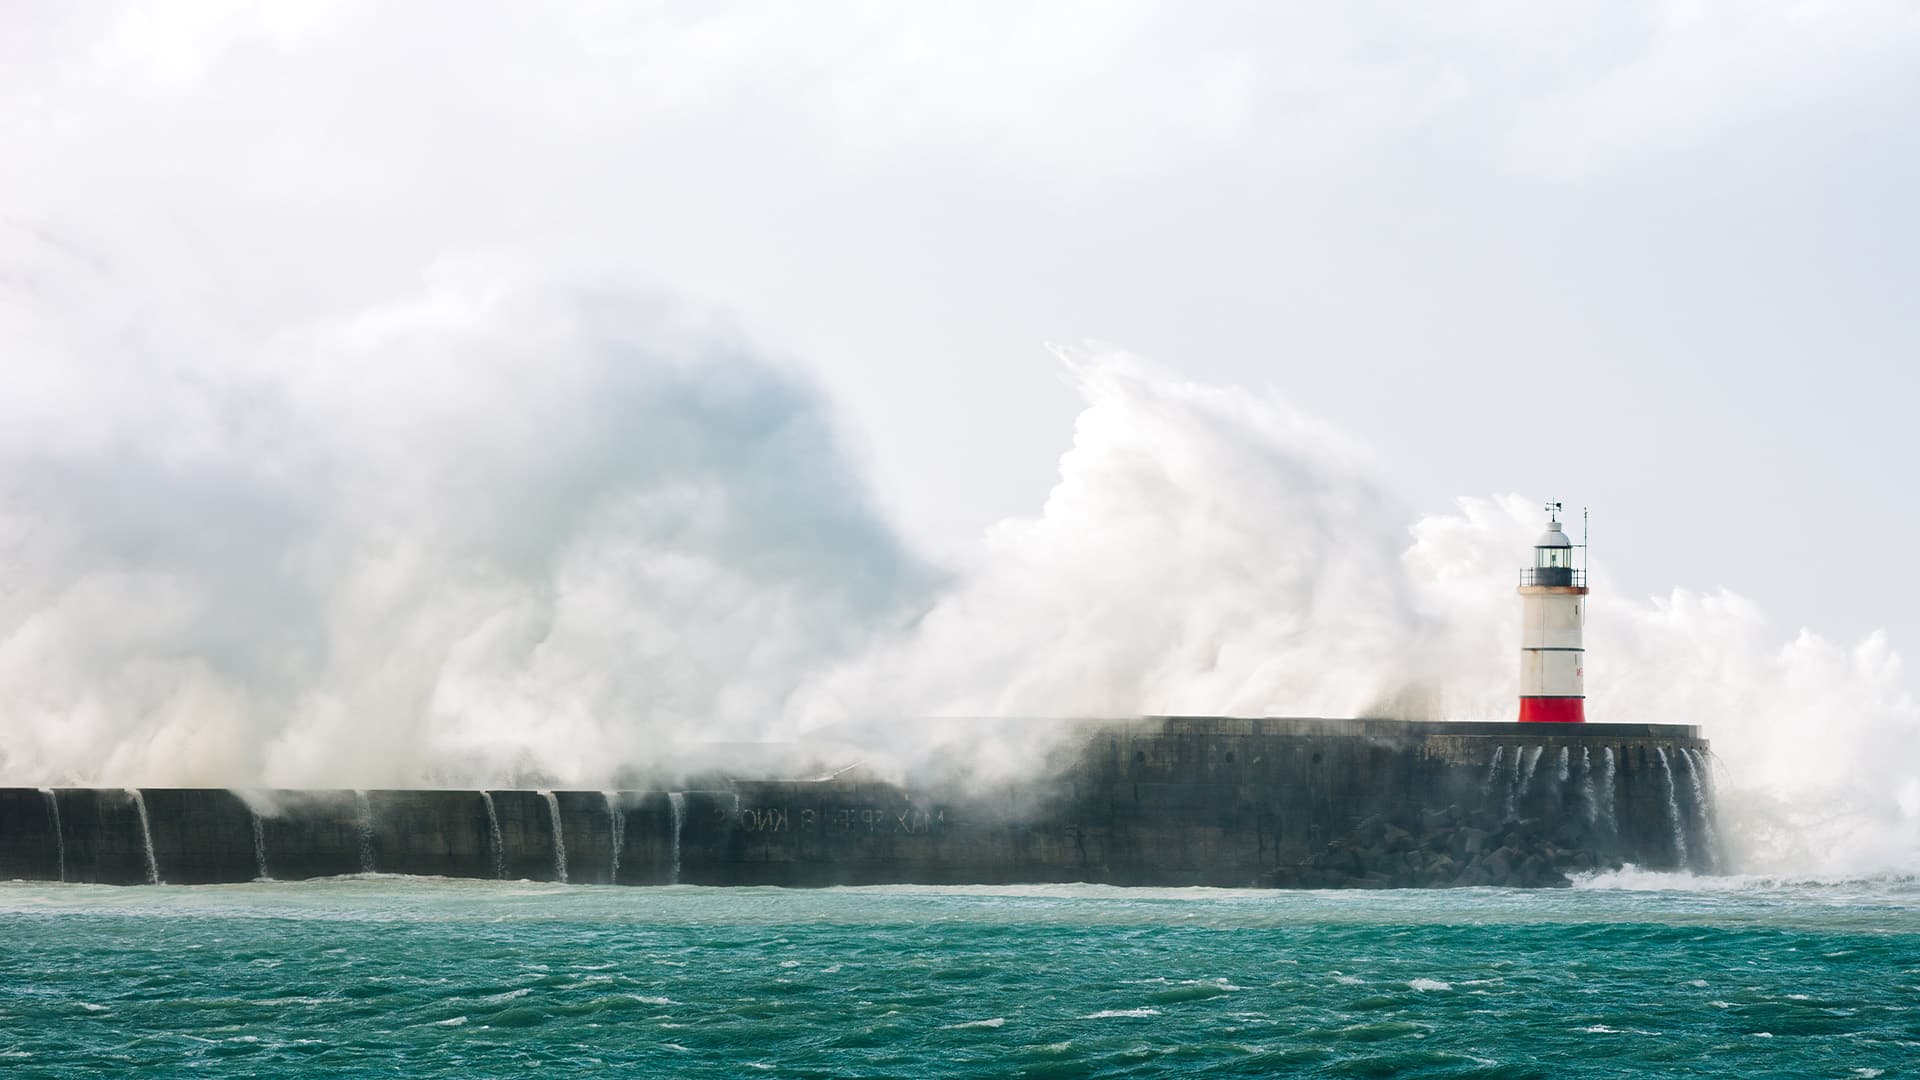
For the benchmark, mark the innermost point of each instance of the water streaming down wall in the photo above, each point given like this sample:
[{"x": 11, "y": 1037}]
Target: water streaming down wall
[
  {"x": 678, "y": 802},
  {"x": 617, "y": 828},
  {"x": 146, "y": 836},
  {"x": 559, "y": 837},
  {"x": 59, "y": 839},
  {"x": 1521, "y": 799},
  {"x": 1587, "y": 803},
  {"x": 1174, "y": 801},
  {"x": 1675, "y": 821},
  {"x": 365, "y": 805},
  {"x": 1516, "y": 764},
  {"x": 1493, "y": 770},
  {"x": 260, "y": 847},
  {"x": 1702, "y": 808},
  {"x": 1533, "y": 765},
  {"x": 493, "y": 835},
  {"x": 1607, "y": 792}
]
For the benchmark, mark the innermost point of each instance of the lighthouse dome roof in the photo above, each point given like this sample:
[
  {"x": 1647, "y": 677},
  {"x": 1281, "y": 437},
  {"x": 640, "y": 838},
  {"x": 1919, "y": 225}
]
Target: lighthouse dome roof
[{"x": 1553, "y": 537}]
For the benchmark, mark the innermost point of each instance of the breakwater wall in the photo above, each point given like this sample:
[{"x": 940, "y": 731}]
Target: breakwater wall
[{"x": 1155, "y": 801}]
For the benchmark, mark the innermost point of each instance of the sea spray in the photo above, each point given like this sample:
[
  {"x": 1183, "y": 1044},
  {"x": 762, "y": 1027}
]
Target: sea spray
[
  {"x": 1493, "y": 770},
  {"x": 559, "y": 837},
  {"x": 59, "y": 840},
  {"x": 1696, "y": 763},
  {"x": 1673, "y": 810},
  {"x": 617, "y": 830},
  {"x": 259, "y": 847},
  {"x": 146, "y": 837},
  {"x": 365, "y": 807},
  {"x": 1759, "y": 705},
  {"x": 1566, "y": 764},
  {"x": 677, "y": 803},
  {"x": 493, "y": 833}
]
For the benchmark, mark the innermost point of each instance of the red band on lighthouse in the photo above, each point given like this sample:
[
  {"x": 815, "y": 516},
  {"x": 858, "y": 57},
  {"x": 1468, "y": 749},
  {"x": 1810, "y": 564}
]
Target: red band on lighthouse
[{"x": 1553, "y": 710}]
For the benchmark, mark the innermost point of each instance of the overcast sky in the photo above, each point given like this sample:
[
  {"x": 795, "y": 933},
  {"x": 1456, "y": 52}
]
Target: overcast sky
[{"x": 1659, "y": 258}]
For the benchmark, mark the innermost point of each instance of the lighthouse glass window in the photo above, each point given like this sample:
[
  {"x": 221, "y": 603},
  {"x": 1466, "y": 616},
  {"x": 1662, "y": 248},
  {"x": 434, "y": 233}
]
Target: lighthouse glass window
[{"x": 1553, "y": 557}]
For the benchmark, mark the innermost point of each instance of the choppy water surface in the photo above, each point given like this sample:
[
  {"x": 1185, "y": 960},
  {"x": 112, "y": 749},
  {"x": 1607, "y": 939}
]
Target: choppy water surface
[{"x": 394, "y": 976}]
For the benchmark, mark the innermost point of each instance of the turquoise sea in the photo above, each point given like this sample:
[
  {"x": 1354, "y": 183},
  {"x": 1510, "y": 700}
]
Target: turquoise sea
[{"x": 386, "y": 976}]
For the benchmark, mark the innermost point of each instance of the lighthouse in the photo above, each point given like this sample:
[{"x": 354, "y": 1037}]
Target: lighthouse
[{"x": 1553, "y": 598}]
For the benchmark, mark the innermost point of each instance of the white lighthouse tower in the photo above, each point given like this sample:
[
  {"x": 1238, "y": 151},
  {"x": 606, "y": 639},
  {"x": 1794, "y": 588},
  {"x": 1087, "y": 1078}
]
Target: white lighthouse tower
[{"x": 1553, "y": 597}]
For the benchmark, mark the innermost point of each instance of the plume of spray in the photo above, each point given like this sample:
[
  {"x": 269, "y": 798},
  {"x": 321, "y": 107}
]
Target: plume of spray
[
  {"x": 504, "y": 531},
  {"x": 1213, "y": 551},
  {"x": 554, "y": 532},
  {"x": 1205, "y": 550}
]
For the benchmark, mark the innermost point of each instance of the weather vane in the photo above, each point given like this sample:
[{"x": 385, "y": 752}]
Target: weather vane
[{"x": 1553, "y": 510}]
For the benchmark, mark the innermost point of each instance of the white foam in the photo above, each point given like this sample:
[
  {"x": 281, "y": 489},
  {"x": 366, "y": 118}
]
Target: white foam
[
  {"x": 1425, "y": 985},
  {"x": 1634, "y": 878},
  {"x": 587, "y": 982},
  {"x": 1602, "y": 1029},
  {"x": 1110, "y": 1014}
]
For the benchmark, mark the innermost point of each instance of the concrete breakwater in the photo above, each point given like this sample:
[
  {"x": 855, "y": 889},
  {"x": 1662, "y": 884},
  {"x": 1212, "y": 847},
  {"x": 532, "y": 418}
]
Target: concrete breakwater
[{"x": 1154, "y": 801}]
